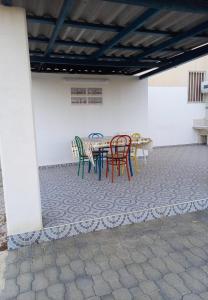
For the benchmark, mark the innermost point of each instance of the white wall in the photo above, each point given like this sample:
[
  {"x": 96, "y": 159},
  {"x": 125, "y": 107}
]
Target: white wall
[
  {"x": 171, "y": 117},
  {"x": 124, "y": 109}
]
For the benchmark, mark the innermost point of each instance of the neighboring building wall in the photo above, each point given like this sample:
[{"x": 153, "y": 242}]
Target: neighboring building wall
[
  {"x": 170, "y": 114},
  {"x": 179, "y": 76},
  {"x": 124, "y": 109}
]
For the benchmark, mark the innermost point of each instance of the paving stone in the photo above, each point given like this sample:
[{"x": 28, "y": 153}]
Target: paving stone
[
  {"x": 191, "y": 297},
  {"x": 193, "y": 284},
  {"x": 51, "y": 274},
  {"x": 40, "y": 282},
  {"x": 106, "y": 297},
  {"x": 205, "y": 268},
  {"x": 37, "y": 264},
  {"x": 12, "y": 271},
  {"x": 77, "y": 266},
  {"x": 72, "y": 252},
  {"x": 102, "y": 261},
  {"x": 66, "y": 274},
  {"x": 92, "y": 268},
  {"x": 199, "y": 274},
  {"x": 25, "y": 266},
  {"x": 112, "y": 278},
  {"x": 122, "y": 294},
  {"x": 146, "y": 240},
  {"x": 12, "y": 257},
  {"x": 180, "y": 244},
  {"x": 148, "y": 287},
  {"x": 137, "y": 271},
  {"x": 56, "y": 291},
  {"x": 85, "y": 283},
  {"x": 193, "y": 259},
  {"x": 204, "y": 296},
  {"x": 108, "y": 249},
  {"x": 172, "y": 265},
  {"x": 49, "y": 260},
  {"x": 197, "y": 240},
  {"x": 159, "y": 264},
  {"x": 41, "y": 295},
  {"x": 11, "y": 289},
  {"x": 62, "y": 259},
  {"x": 26, "y": 296},
  {"x": 138, "y": 294},
  {"x": 127, "y": 280},
  {"x": 124, "y": 255},
  {"x": 159, "y": 251},
  {"x": 138, "y": 257},
  {"x": 150, "y": 272},
  {"x": 73, "y": 293},
  {"x": 115, "y": 262},
  {"x": 199, "y": 252},
  {"x": 146, "y": 251},
  {"x": 101, "y": 287},
  {"x": 37, "y": 251},
  {"x": 168, "y": 291},
  {"x": 25, "y": 282},
  {"x": 175, "y": 281},
  {"x": 181, "y": 259},
  {"x": 86, "y": 253}
]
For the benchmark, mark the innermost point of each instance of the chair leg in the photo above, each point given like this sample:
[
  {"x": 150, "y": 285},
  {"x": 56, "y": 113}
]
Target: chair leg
[
  {"x": 89, "y": 166},
  {"x": 102, "y": 160},
  {"x": 106, "y": 167},
  {"x": 127, "y": 168},
  {"x": 83, "y": 163},
  {"x": 136, "y": 165},
  {"x": 78, "y": 168},
  {"x": 95, "y": 167},
  {"x": 119, "y": 168},
  {"x": 145, "y": 159},
  {"x": 112, "y": 170},
  {"x": 122, "y": 169}
]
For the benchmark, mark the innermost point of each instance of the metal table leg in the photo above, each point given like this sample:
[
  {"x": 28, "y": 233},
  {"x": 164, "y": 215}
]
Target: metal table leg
[
  {"x": 99, "y": 164},
  {"x": 130, "y": 165}
]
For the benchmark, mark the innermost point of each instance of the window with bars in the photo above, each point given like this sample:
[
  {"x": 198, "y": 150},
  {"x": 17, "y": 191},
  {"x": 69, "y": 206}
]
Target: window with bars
[{"x": 194, "y": 87}]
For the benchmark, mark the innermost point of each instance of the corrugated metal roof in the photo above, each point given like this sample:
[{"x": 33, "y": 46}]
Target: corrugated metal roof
[{"x": 161, "y": 27}]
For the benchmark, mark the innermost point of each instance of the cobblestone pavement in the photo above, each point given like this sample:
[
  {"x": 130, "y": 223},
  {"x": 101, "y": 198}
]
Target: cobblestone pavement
[{"x": 161, "y": 259}]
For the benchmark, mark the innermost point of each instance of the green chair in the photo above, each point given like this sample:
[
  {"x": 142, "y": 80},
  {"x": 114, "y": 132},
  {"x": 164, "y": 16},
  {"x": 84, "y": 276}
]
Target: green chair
[{"x": 83, "y": 158}]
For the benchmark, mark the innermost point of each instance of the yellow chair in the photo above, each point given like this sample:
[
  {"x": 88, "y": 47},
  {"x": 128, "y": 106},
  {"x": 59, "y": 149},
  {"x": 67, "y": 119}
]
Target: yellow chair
[{"x": 134, "y": 149}]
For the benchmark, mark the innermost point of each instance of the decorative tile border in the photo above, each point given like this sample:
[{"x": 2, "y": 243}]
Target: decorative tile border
[{"x": 69, "y": 230}]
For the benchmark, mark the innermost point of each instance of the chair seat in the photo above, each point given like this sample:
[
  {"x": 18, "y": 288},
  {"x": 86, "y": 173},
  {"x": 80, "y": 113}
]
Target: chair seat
[
  {"x": 101, "y": 150},
  {"x": 116, "y": 156}
]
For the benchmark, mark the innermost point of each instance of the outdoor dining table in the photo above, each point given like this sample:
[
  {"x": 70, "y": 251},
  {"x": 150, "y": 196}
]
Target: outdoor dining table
[{"x": 99, "y": 143}]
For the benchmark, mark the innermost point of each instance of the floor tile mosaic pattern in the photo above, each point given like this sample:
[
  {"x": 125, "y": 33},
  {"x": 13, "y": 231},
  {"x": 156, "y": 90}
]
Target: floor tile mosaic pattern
[{"x": 172, "y": 175}]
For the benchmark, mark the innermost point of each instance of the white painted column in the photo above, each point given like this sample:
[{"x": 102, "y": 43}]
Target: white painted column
[{"x": 17, "y": 135}]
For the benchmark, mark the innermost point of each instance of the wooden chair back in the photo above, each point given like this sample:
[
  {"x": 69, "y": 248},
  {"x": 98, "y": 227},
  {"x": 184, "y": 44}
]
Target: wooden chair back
[
  {"x": 80, "y": 146},
  {"x": 120, "y": 146}
]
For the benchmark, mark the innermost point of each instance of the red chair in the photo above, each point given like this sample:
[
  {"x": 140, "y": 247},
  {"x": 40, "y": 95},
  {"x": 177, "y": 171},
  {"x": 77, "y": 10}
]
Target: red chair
[{"x": 120, "y": 146}]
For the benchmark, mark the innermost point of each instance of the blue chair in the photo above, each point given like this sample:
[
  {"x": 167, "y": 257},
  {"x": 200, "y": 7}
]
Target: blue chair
[
  {"x": 101, "y": 151},
  {"x": 94, "y": 135}
]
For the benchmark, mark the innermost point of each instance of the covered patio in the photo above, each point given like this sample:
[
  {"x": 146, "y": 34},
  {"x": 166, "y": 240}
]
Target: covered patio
[
  {"x": 108, "y": 45},
  {"x": 172, "y": 177}
]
